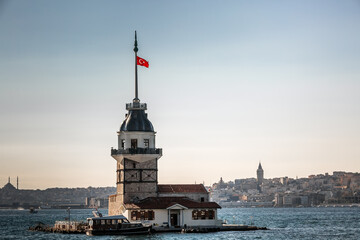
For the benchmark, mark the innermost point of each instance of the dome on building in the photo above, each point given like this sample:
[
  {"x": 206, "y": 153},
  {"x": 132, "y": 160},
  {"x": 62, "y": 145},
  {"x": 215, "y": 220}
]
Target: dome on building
[
  {"x": 137, "y": 120},
  {"x": 8, "y": 187}
]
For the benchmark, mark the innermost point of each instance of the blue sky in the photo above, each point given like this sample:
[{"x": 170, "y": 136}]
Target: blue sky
[{"x": 230, "y": 83}]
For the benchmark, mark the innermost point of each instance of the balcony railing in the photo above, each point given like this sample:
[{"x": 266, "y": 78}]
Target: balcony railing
[
  {"x": 137, "y": 151},
  {"x": 136, "y": 105}
]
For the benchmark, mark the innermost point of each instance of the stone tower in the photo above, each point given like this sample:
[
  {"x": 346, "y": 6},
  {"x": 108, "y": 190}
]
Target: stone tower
[
  {"x": 260, "y": 176},
  {"x": 136, "y": 156}
]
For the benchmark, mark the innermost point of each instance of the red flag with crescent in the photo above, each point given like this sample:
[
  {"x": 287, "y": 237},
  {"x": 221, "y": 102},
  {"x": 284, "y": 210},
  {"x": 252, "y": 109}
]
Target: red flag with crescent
[{"x": 142, "y": 62}]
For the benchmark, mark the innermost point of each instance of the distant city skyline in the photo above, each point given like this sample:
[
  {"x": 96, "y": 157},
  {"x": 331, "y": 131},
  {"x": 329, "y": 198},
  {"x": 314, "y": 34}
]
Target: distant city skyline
[{"x": 229, "y": 84}]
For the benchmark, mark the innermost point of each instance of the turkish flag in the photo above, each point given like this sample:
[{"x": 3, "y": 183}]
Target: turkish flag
[{"x": 142, "y": 62}]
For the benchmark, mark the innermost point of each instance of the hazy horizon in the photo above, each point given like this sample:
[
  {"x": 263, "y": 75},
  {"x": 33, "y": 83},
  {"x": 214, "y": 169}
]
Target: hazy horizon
[
  {"x": 230, "y": 84},
  {"x": 13, "y": 182}
]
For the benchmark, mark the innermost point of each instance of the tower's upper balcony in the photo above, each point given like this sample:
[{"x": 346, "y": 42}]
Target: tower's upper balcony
[
  {"x": 136, "y": 106},
  {"x": 136, "y": 154},
  {"x": 157, "y": 151}
]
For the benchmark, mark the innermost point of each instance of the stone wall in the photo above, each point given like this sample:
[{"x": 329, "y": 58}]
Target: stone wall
[{"x": 136, "y": 180}]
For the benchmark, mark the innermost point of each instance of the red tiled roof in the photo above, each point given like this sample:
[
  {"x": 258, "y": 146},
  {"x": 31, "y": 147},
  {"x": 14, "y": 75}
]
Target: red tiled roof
[
  {"x": 181, "y": 188},
  {"x": 165, "y": 202}
]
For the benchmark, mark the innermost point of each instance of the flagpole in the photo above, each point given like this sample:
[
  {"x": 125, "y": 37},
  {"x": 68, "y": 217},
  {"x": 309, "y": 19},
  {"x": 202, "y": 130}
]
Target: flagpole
[{"x": 136, "y": 75}]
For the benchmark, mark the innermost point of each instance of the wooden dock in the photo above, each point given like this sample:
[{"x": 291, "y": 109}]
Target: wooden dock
[{"x": 206, "y": 229}]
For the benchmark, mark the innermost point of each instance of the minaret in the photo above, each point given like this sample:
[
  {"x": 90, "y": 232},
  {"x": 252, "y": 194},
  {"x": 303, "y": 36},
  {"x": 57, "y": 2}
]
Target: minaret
[
  {"x": 260, "y": 176},
  {"x": 136, "y": 156}
]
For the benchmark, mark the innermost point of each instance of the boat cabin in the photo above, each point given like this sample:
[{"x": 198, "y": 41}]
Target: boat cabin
[{"x": 114, "y": 225}]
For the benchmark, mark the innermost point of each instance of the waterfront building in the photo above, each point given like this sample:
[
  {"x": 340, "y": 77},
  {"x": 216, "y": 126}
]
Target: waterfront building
[{"x": 138, "y": 196}]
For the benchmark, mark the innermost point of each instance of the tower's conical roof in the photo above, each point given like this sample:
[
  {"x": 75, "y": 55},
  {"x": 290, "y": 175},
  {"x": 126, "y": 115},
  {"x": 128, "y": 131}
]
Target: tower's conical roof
[{"x": 137, "y": 120}]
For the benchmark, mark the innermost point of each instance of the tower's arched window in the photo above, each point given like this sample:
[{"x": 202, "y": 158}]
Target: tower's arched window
[
  {"x": 134, "y": 143},
  {"x": 146, "y": 143}
]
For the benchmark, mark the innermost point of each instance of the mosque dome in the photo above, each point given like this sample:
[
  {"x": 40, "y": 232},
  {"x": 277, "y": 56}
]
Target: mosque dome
[
  {"x": 8, "y": 187},
  {"x": 137, "y": 120}
]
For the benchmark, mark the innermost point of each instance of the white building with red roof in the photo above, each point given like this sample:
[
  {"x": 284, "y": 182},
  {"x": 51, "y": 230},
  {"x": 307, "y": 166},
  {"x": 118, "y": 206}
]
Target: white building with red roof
[{"x": 139, "y": 197}]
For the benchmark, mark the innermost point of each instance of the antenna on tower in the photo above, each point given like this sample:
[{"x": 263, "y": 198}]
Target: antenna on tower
[
  {"x": 136, "y": 99},
  {"x": 17, "y": 182}
]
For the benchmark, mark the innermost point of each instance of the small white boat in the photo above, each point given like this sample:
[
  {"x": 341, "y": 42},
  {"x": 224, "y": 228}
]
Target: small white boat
[{"x": 114, "y": 225}]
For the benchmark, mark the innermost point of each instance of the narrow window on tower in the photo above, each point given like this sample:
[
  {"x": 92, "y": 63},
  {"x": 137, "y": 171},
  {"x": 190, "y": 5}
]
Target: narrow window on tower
[
  {"x": 146, "y": 143},
  {"x": 123, "y": 143},
  {"x": 134, "y": 143}
]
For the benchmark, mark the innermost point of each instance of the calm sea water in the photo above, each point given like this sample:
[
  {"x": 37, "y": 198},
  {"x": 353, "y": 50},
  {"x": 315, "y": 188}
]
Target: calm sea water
[{"x": 284, "y": 223}]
